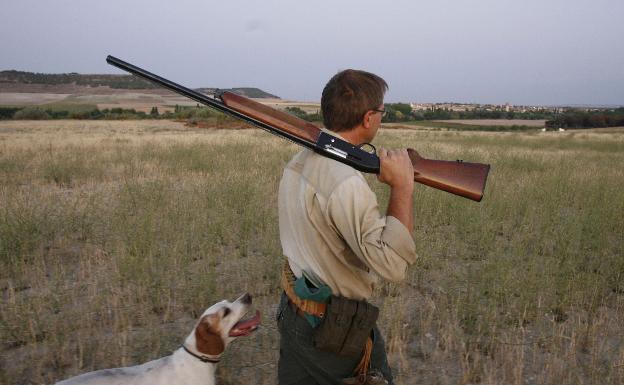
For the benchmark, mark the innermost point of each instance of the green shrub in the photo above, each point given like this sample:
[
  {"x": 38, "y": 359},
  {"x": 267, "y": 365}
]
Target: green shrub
[
  {"x": 8, "y": 112},
  {"x": 31, "y": 113}
]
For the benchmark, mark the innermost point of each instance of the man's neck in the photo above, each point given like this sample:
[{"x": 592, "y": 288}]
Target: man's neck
[{"x": 355, "y": 135}]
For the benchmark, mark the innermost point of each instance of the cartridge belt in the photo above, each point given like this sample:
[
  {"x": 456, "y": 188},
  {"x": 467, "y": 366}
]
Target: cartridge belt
[{"x": 303, "y": 305}]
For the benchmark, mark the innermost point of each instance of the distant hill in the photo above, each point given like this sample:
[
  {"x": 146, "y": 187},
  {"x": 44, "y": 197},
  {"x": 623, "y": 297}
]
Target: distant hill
[
  {"x": 112, "y": 81},
  {"x": 11, "y": 80}
]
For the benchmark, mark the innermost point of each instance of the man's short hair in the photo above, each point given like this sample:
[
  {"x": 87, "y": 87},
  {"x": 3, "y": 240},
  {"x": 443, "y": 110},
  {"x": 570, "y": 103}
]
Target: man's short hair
[{"x": 348, "y": 96}]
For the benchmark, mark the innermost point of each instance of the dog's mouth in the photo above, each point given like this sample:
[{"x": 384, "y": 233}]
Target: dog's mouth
[{"x": 245, "y": 327}]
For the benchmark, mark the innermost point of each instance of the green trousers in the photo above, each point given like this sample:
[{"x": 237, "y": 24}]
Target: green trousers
[{"x": 300, "y": 363}]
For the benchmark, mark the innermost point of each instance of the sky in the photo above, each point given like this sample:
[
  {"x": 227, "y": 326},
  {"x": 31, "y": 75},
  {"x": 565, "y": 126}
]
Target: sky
[{"x": 548, "y": 52}]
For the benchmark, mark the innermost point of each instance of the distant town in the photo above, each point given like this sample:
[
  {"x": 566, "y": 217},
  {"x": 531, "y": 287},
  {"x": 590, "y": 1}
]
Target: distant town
[{"x": 503, "y": 107}]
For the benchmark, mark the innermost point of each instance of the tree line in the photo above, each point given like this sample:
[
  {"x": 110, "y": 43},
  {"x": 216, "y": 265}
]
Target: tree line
[
  {"x": 112, "y": 81},
  {"x": 395, "y": 112},
  {"x": 402, "y": 112},
  {"x": 588, "y": 119},
  {"x": 79, "y": 112}
]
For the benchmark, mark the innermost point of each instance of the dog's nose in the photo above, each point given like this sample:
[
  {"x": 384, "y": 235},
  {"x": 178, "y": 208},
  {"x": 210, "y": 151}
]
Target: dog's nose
[{"x": 246, "y": 299}]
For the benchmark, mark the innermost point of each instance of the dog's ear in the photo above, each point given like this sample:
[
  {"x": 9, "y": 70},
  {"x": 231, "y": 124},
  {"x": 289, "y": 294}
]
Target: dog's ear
[{"x": 208, "y": 337}]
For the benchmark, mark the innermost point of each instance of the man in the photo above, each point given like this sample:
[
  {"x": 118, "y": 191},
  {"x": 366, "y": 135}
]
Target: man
[{"x": 333, "y": 233}]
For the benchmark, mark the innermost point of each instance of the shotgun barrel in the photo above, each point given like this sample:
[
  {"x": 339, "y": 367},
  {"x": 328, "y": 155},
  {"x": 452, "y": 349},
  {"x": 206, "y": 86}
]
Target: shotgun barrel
[{"x": 274, "y": 121}]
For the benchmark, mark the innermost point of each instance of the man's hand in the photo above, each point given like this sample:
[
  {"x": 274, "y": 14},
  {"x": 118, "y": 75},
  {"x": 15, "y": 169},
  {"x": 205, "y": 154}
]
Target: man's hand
[{"x": 396, "y": 169}]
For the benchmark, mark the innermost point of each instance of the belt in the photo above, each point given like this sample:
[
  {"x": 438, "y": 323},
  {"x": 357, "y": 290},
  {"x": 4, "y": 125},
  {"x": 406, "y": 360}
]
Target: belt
[
  {"x": 299, "y": 312},
  {"x": 303, "y": 305}
]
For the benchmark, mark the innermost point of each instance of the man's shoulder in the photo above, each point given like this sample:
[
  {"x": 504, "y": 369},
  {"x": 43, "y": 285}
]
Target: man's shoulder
[{"x": 324, "y": 173}]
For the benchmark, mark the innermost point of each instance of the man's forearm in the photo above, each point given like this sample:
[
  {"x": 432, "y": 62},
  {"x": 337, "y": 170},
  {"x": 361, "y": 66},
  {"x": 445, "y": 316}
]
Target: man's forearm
[{"x": 401, "y": 207}]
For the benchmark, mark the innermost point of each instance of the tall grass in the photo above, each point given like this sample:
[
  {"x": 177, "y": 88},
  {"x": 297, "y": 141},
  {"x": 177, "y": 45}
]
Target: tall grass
[{"x": 115, "y": 236}]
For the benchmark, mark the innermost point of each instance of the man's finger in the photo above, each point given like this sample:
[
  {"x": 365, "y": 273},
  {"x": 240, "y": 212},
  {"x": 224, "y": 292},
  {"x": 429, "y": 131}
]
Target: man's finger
[{"x": 394, "y": 153}]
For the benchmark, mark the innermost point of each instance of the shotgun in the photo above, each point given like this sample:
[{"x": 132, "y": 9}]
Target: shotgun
[{"x": 457, "y": 177}]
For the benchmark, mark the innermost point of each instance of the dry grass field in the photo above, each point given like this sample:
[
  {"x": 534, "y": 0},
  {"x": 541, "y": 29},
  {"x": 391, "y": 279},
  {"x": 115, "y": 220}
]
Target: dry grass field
[
  {"x": 115, "y": 236},
  {"x": 281, "y": 104}
]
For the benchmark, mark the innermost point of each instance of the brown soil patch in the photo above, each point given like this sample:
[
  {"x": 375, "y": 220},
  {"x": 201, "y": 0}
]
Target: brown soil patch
[
  {"x": 29, "y": 98},
  {"x": 497, "y": 122}
]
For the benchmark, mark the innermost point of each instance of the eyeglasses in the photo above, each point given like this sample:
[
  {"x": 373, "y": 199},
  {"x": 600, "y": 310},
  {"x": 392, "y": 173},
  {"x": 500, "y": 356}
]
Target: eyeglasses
[{"x": 383, "y": 112}]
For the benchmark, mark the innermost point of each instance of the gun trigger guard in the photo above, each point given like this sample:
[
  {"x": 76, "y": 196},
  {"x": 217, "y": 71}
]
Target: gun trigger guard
[{"x": 360, "y": 146}]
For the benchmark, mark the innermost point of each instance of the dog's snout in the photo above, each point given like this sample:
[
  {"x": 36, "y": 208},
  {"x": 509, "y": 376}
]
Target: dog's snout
[{"x": 246, "y": 299}]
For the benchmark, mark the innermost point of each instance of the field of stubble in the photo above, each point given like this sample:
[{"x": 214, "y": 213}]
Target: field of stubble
[{"x": 115, "y": 236}]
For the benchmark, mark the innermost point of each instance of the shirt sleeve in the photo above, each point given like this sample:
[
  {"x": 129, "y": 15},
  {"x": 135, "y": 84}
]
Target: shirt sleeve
[{"x": 382, "y": 243}]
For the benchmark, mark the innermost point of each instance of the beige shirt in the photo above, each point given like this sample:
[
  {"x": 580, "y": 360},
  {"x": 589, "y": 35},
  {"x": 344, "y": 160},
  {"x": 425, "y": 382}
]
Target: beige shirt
[{"x": 331, "y": 228}]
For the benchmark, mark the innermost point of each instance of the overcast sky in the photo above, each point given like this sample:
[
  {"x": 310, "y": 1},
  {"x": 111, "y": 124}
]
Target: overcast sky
[{"x": 486, "y": 51}]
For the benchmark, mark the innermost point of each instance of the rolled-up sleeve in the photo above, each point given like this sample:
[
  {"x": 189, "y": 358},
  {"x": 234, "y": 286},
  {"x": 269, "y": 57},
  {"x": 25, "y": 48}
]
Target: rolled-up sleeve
[{"x": 382, "y": 243}]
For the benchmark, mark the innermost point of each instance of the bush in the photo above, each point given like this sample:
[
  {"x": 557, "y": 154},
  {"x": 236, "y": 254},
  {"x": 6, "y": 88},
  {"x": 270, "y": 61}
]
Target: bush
[
  {"x": 301, "y": 114},
  {"x": 296, "y": 111},
  {"x": 8, "y": 112},
  {"x": 31, "y": 113},
  {"x": 194, "y": 112}
]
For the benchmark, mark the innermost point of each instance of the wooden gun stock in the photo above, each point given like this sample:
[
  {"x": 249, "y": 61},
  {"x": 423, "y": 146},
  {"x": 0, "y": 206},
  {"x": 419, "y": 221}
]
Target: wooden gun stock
[
  {"x": 457, "y": 177},
  {"x": 276, "y": 118}
]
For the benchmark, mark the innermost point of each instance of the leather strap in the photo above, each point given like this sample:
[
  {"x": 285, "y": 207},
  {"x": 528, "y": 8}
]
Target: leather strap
[
  {"x": 201, "y": 358},
  {"x": 361, "y": 370}
]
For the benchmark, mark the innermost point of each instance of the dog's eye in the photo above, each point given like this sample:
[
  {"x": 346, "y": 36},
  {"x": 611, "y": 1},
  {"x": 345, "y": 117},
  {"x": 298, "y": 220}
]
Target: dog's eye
[{"x": 226, "y": 312}]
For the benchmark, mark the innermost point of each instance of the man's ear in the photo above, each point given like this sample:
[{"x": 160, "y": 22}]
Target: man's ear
[
  {"x": 366, "y": 120},
  {"x": 208, "y": 337}
]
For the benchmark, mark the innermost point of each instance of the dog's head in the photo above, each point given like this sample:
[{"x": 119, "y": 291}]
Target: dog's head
[{"x": 220, "y": 324}]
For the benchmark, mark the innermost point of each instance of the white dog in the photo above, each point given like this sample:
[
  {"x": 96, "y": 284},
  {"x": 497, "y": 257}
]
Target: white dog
[{"x": 195, "y": 361}]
